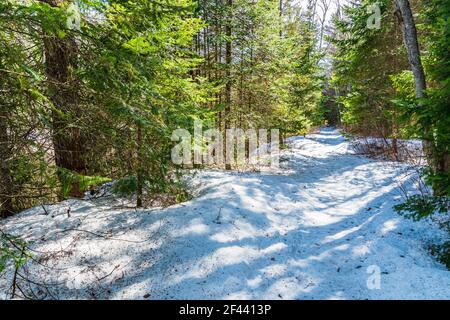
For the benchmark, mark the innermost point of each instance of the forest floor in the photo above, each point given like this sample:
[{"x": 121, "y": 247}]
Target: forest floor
[{"x": 315, "y": 229}]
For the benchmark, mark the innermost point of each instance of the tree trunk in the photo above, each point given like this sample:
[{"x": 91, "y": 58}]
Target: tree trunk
[
  {"x": 6, "y": 187},
  {"x": 281, "y": 17},
  {"x": 61, "y": 56},
  {"x": 228, "y": 58},
  {"x": 412, "y": 45},
  {"x": 139, "y": 180},
  {"x": 406, "y": 19}
]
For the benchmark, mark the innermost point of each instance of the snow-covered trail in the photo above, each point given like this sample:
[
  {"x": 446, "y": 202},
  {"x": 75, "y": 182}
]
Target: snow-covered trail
[{"x": 311, "y": 230}]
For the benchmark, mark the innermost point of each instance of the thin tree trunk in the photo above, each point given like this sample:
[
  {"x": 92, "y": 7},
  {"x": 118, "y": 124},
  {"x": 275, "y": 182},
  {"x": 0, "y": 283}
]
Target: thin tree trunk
[
  {"x": 6, "y": 187},
  {"x": 228, "y": 59},
  {"x": 406, "y": 19},
  {"x": 139, "y": 180},
  {"x": 281, "y": 17},
  {"x": 412, "y": 45}
]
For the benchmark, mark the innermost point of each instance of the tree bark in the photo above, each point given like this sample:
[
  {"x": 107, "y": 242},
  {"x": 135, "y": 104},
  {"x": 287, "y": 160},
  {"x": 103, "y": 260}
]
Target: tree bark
[
  {"x": 412, "y": 45},
  {"x": 406, "y": 20},
  {"x": 228, "y": 59},
  {"x": 139, "y": 178},
  {"x": 61, "y": 55},
  {"x": 281, "y": 7},
  {"x": 6, "y": 187}
]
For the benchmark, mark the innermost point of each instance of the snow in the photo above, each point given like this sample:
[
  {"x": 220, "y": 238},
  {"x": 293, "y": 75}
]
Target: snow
[{"x": 312, "y": 229}]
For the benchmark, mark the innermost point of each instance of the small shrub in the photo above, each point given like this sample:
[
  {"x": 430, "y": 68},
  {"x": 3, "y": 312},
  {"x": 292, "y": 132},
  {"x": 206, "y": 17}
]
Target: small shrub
[
  {"x": 442, "y": 253},
  {"x": 418, "y": 207},
  {"x": 12, "y": 249}
]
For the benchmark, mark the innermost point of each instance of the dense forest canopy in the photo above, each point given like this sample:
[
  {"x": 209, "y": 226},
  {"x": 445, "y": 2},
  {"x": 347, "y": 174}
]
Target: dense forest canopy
[{"x": 94, "y": 99}]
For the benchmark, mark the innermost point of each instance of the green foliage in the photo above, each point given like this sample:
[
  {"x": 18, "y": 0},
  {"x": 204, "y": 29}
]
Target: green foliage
[
  {"x": 365, "y": 64},
  {"x": 403, "y": 83},
  {"x": 12, "y": 249},
  {"x": 274, "y": 73},
  {"x": 420, "y": 206},
  {"x": 114, "y": 90},
  {"x": 179, "y": 190},
  {"x": 441, "y": 179},
  {"x": 125, "y": 186},
  {"x": 132, "y": 70},
  {"x": 434, "y": 118},
  {"x": 171, "y": 187},
  {"x": 442, "y": 252},
  {"x": 69, "y": 178}
]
